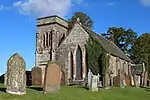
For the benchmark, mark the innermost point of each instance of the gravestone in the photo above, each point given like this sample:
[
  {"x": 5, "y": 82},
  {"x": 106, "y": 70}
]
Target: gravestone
[
  {"x": 122, "y": 78},
  {"x": 137, "y": 80},
  {"x": 16, "y": 75},
  {"x": 36, "y": 76},
  {"x": 145, "y": 78},
  {"x": 52, "y": 78},
  {"x": 89, "y": 77},
  {"x": 117, "y": 81},
  {"x": 128, "y": 80},
  {"x": 99, "y": 82},
  {"x": 94, "y": 86}
]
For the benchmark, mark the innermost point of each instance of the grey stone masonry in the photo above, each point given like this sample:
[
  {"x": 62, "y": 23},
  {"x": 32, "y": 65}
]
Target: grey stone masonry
[{"x": 16, "y": 75}]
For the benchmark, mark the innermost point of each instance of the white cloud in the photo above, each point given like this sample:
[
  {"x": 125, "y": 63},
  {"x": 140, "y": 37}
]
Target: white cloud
[
  {"x": 145, "y": 2},
  {"x": 41, "y": 8},
  {"x": 2, "y": 7}
]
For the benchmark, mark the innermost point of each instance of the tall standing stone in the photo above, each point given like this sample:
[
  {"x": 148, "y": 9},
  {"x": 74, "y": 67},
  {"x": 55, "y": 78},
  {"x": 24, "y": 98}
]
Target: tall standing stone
[
  {"x": 89, "y": 77},
  {"x": 36, "y": 76},
  {"x": 94, "y": 83},
  {"x": 145, "y": 78},
  {"x": 122, "y": 79},
  {"x": 52, "y": 77},
  {"x": 16, "y": 75}
]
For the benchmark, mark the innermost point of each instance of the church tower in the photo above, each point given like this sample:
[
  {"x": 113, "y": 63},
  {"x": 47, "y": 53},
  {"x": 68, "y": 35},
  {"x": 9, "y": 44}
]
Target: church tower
[{"x": 50, "y": 32}]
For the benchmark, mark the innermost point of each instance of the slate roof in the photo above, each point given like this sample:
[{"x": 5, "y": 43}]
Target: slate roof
[{"x": 107, "y": 45}]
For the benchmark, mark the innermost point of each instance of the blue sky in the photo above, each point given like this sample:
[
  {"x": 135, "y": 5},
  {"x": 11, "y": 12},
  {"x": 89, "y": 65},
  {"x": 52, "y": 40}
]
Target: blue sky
[{"x": 18, "y": 21}]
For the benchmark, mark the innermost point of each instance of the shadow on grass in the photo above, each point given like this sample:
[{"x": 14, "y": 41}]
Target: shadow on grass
[
  {"x": 146, "y": 88},
  {"x": 3, "y": 89},
  {"x": 36, "y": 88},
  {"x": 84, "y": 87}
]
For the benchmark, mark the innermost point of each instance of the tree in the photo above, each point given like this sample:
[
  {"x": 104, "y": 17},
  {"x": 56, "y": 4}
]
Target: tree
[
  {"x": 141, "y": 50},
  {"x": 84, "y": 19},
  {"x": 123, "y": 38}
]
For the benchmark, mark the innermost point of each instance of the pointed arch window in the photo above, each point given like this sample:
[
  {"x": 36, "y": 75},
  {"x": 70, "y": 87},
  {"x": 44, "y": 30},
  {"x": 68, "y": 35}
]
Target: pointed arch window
[
  {"x": 79, "y": 63},
  {"x": 44, "y": 40},
  {"x": 71, "y": 65},
  {"x": 47, "y": 39}
]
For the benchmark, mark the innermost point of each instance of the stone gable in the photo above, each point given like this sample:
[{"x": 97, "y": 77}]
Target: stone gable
[{"x": 77, "y": 37}]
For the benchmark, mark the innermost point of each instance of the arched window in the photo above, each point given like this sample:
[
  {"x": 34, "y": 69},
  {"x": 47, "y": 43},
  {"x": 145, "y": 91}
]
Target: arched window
[
  {"x": 47, "y": 39},
  {"x": 71, "y": 65},
  {"x": 44, "y": 41},
  {"x": 50, "y": 39},
  {"x": 79, "y": 63}
]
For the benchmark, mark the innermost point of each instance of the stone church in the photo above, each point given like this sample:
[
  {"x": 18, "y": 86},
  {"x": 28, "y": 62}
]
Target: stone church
[{"x": 55, "y": 41}]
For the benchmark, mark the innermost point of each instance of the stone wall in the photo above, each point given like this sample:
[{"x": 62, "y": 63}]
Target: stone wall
[
  {"x": 50, "y": 32},
  {"x": 43, "y": 54},
  {"x": 77, "y": 37},
  {"x": 115, "y": 64}
]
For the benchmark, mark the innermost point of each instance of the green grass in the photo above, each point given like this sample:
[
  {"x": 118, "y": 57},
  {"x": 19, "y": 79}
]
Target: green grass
[{"x": 76, "y": 93}]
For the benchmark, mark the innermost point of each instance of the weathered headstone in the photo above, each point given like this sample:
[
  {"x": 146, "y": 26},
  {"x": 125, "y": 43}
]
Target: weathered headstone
[
  {"x": 122, "y": 79},
  {"x": 117, "y": 81},
  {"x": 127, "y": 80},
  {"x": 137, "y": 80},
  {"x": 145, "y": 78},
  {"x": 52, "y": 78},
  {"x": 89, "y": 77},
  {"x": 100, "y": 84},
  {"x": 36, "y": 76},
  {"x": 16, "y": 75},
  {"x": 94, "y": 86}
]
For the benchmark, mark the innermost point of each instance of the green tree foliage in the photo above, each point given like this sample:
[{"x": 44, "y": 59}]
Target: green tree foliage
[
  {"x": 84, "y": 19},
  {"x": 96, "y": 57},
  {"x": 141, "y": 50},
  {"x": 123, "y": 38}
]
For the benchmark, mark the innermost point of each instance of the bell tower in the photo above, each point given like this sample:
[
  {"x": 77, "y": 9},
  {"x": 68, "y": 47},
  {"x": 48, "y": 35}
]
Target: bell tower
[{"x": 50, "y": 32}]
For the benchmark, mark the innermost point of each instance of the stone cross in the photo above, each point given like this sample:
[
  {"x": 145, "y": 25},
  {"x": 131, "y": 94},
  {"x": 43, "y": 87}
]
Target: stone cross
[{"x": 16, "y": 75}]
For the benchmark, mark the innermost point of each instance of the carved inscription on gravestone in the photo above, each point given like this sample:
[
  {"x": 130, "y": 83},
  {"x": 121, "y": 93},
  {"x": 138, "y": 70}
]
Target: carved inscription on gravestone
[
  {"x": 16, "y": 75},
  {"x": 52, "y": 77},
  {"x": 36, "y": 76}
]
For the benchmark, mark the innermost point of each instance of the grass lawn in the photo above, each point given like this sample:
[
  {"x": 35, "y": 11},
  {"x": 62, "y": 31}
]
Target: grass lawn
[{"x": 76, "y": 93}]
